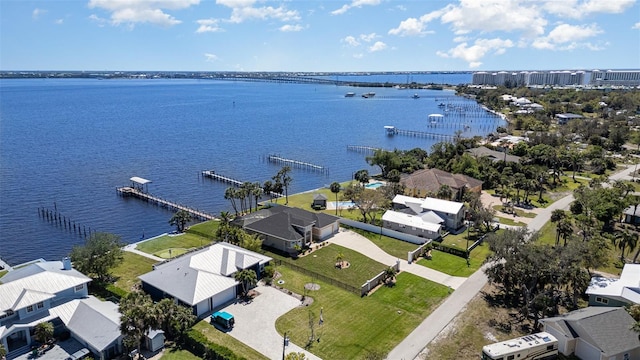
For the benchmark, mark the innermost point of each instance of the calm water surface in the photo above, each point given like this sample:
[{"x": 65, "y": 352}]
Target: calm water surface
[{"x": 67, "y": 144}]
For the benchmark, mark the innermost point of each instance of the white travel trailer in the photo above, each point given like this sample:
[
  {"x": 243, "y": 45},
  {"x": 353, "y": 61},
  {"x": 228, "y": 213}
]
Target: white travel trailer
[{"x": 531, "y": 347}]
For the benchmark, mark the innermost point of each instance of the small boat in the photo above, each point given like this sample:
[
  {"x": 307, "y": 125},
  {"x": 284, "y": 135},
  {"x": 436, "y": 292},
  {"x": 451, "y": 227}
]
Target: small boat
[
  {"x": 350, "y": 94},
  {"x": 416, "y": 96},
  {"x": 368, "y": 95},
  {"x": 441, "y": 104}
]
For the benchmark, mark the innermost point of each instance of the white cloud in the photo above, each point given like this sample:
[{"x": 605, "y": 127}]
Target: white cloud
[
  {"x": 243, "y": 10},
  {"x": 567, "y": 37},
  {"x": 636, "y": 26},
  {"x": 37, "y": 13},
  {"x": 580, "y": 8},
  {"x": 355, "y": 4},
  {"x": 148, "y": 11},
  {"x": 495, "y": 15},
  {"x": 409, "y": 27},
  {"x": 58, "y": 21},
  {"x": 351, "y": 41},
  {"x": 377, "y": 46},
  {"x": 368, "y": 37},
  {"x": 358, "y": 56},
  {"x": 474, "y": 53},
  {"x": 291, "y": 28},
  {"x": 211, "y": 57},
  {"x": 208, "y": 25},
  {"x": 401, "y": 7},
  {"x": 98, "y": 20}
]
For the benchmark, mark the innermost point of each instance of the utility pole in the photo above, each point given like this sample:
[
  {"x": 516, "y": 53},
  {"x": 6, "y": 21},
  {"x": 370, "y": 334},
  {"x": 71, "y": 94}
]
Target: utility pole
[{"x": 285, "y": 342}]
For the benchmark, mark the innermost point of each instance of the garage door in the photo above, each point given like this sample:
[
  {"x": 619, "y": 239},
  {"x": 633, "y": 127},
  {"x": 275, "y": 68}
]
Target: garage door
[{"x": 224, "y": 297}]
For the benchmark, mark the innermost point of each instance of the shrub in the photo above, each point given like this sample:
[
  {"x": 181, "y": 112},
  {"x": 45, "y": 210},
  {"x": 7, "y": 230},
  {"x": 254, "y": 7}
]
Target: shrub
[{"x": 199, "y": 345}]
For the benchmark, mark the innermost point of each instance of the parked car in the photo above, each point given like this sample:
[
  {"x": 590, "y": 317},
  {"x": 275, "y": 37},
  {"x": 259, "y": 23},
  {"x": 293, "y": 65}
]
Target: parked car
[{"x": 224, "y": 319}]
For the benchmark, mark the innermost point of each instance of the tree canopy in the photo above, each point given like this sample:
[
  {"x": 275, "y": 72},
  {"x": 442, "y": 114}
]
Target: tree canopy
[{"x": 100, "y": 253}]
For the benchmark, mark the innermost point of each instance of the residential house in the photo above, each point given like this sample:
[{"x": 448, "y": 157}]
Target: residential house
[
  {"x": 426, "y": 225},
  {"x": 452, "y": 213},
  {"x": 562, "y": 119},
  {"x": 494, "y": 155},
  {"x": 203, "y": 279},
  {"x": 54, "y": 291},
  {"x": 632, "y": 215},
  {"x": 285, "y": 228},
  {"x": 595, "y": 333},
  {"x": 428, "y": 181},
  {"x": 624, "y": 291}
]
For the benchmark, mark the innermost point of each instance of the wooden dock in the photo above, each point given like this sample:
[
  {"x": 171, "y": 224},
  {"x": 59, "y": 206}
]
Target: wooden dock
[
  {"x": 297, "y": 164},
  {"x": 130, "y": 191},
  {"x": 363, "y": 149},
  {"x": 424, "y": 134},
  {"x": 237, "y": 183}
]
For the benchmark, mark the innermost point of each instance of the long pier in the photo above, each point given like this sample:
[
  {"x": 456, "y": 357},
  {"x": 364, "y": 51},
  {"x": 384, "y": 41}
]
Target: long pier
[
  {"x": 422, "y": 134},
  {"x": 137, "y": 193},
  {"x": 237, "y": 183},
  {"x": 362, "y": 148},
  {"x": 297, "y": 164}
]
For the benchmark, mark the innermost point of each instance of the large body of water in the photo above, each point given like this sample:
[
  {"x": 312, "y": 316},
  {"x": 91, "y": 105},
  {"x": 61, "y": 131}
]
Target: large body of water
[{"x": 66, "y": 144}]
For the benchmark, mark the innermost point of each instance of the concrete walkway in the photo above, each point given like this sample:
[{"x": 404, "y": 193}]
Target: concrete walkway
[
  {"x": 132, "y": 249},
  {"x": 361, "y": 244}
]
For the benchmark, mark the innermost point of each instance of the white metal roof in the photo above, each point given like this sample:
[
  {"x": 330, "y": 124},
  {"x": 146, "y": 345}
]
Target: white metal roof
[
  {"x": 519, "y": 344},
  {"x": 195, "y": 277},
  {"x": 97, "y": 322},
  {"x": 139, "y": 180},
  {"x": 445, "y": 206},
  {"x": 626, "y": 288},
  {"x": 436, "y": 116},
  {"x": 410, "y": 220},
  {"x": 41, "y": 281}
]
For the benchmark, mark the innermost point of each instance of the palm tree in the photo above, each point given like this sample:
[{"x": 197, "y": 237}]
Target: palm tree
[
  {"x": 257, "y": 193},
  {"x": 136, "y": 317},
  {"x": 180, "y": 220},
  {"x": 362, "y": 176},
  {"x": 340, "y": 259},
  {"x": 624, "y": 239},
  {"x": 335, "y": 188},
  {"x": 44, "y": 332},
  {"x": 285, "y": 179},
  {"x": 267, "y": 188},
  {"x": 231, "y": 195},
  {"x": 247, "y": 278},
  {"x": 389, "y": 275},
  {"x": 556, "y": 216}
]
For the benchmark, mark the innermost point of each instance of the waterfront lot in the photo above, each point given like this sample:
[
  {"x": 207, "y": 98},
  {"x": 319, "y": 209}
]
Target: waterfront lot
[
  {"x": 127, "y": 272},
  {"x": 354, "y": 326}
]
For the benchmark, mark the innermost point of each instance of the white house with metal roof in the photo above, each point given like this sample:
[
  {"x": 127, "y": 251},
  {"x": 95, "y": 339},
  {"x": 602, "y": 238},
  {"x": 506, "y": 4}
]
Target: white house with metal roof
[
  {"x": 624, "y": 291},
  {"x": 203, "y": 279},
  {"x": 428, "y": 225},
  {"x": 54, "y": 291},
  {"x": 451, "y": 212}
]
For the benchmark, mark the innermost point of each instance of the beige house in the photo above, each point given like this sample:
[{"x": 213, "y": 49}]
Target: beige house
[{"x": 428, "y": 181}]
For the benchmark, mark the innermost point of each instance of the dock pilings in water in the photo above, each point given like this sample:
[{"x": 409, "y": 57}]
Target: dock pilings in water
[
  {"x": 54, "y": 217},
  {"x": 210, "y": 174}
]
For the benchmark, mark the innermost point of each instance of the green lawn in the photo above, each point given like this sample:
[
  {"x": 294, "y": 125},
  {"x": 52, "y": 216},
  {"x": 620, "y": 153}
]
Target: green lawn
[
  {"x": 391, "y": 246},
  {"x": 568, "y": 185},
  {"x": 511, "y": 222},
  {"x": 206, "y": 228},
  {"x": 323, "y": 260},
  {"x": 128, "y": 271},
  {"x": 166, "y": 242},
  {"x": 218, "y": 337},
  {"x": 518, "y": 212},
  {"x": 178, "y": 354},
  {"x": 354, "y": 326},
  {"x": 455, "y": 265},
  {"x": 3, "y": 272}
]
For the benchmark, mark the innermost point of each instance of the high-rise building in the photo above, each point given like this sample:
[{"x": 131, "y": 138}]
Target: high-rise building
[{"x": 559, "y": 78}]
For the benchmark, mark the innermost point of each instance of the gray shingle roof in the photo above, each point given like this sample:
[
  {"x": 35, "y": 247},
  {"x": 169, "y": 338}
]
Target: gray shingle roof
[
  {"x": 607, "y": 328},
  {"x": 493, "y": 154}
]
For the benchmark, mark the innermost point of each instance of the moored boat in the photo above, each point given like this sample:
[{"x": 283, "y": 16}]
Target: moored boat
[
  {"x": 350, "y": 94},
  {"x": 368, "y": 95}
]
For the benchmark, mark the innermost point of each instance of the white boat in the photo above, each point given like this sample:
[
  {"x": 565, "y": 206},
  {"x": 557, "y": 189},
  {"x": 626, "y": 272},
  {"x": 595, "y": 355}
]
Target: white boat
[
  {"x": 368, "y": 95},
  {"x": 416, "y": 96},
  {"x": 350, "y": 94}
]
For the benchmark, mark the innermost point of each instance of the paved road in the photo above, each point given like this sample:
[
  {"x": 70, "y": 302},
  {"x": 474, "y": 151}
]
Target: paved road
[
  {"x": 413, "y": 344},
  {"x": 361, "y": 244}
]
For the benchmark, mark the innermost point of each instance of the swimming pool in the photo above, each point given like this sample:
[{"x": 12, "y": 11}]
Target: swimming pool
[
  {"x": 340, "y": 204},
  {"x": 374, "y": 185}
]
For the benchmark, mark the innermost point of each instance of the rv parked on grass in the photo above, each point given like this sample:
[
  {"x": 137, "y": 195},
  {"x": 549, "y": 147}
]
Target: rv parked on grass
[{"x": 530, "y": 347}]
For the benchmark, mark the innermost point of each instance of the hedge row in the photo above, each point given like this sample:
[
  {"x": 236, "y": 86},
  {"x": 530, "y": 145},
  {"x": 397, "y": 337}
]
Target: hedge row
[
  {"x": 450, "y": 249},
  {"x": 200, "y": 346}
]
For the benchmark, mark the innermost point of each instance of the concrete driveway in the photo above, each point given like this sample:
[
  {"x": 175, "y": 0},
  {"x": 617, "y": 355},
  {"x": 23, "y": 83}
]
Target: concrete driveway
[{"x": 255, "y": 322}]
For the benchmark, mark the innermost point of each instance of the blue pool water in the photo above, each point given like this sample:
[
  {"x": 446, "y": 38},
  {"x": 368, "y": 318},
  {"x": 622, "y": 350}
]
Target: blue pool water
[{"x": 374, "y": 185}]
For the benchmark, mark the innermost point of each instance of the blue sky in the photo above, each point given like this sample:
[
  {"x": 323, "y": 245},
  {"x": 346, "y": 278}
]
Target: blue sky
[{"x": 301, "y": 35}]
